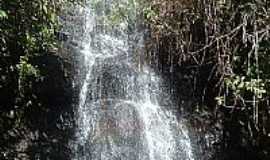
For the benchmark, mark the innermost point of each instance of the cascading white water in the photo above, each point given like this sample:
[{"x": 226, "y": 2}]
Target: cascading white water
[{"x": 119, "y": 114}]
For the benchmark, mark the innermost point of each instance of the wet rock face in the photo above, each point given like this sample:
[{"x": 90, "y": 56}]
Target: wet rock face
[
  {"x": 49, "y": 125},
  {"x": 55, "y": 92},
  {"x": 117, "y": 117},
  {"x": 112, "y": 79},
  {"x": 118, "y": 132},
  {"x": 56, "y": 87}
]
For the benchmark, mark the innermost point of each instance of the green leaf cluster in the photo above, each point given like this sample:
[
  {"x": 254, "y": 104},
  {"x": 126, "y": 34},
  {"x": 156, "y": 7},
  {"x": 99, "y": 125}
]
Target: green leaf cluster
[
  {"x": 27, "y": 32},
  {"x": 120, "y": 13},
  {"x": 3, "y": 14},
  {"x": 241, "y": 85}
]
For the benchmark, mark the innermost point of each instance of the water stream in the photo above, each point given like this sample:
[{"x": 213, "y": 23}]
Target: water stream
[{"x": 120, "y": 116}]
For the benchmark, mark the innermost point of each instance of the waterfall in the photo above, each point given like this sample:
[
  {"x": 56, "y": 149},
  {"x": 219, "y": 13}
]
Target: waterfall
[{"x": 119, "y": 114}]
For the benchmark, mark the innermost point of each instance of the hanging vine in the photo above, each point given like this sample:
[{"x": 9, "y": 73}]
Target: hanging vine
[{"x": 231, "y": 37}]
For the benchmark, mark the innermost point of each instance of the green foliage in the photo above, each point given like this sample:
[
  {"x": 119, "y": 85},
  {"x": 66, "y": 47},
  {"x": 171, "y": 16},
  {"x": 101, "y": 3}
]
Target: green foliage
[
  {"x": 26, "y": 69},
  {"x": 239, "y": 86},
  {"x": 3, "y": 14},
  {"x": 220, "y": 100},
  {"x": 27, "y": 30},
  {"x": 233, "y": 38},
  {"x": 120, "y": 14},
  {"x": 149, "y": 13}
]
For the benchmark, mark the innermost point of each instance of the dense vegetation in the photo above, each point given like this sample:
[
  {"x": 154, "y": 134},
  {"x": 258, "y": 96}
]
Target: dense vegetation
[
  {"x": 223, "y": 46},
  {"x": 221, "y": 49},
  {"x": 33, "y": 82}
]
